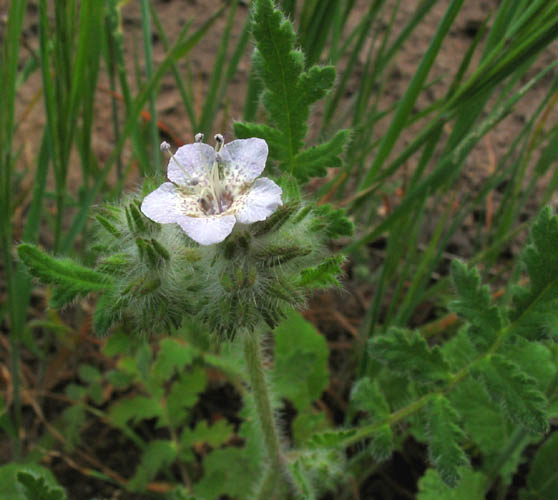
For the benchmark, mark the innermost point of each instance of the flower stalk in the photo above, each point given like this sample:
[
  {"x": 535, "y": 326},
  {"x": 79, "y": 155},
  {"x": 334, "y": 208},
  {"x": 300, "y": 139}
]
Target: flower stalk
[{"x": 264, "y": 411}]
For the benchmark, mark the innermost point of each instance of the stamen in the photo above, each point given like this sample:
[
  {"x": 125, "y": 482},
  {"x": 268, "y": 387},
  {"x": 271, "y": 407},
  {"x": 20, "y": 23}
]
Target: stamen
[
  {"x": 219, "y": 140},
  {"x": 166, "y": 148},
  {"x": 198, "y": 137}
]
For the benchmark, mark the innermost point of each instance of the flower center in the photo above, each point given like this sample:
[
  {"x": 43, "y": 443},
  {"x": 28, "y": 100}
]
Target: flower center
[{"x": 214, "y": 196}]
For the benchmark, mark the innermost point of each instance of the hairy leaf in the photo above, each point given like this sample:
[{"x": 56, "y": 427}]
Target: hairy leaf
[
  {"x": 330, "y": 439},
  {"x": 227, "y": 471},
  {"x": 444, "y": 435},
  {"x": 324, "y": 274},
  {"x": 135, "y": 408},
  {"x": 156, "y": 455},
  {"x": 289, "y": 91},
  {"x": 301, "y": 361},
  {"x": 407, "y": 352},
  {"x": 367, "y": 396},
  {"x": 173, "y": 356},
  {"x": 333, "y": 220},
  {"x": 542, "y": 481},
  {"x": 475, "y": 303},
  {"x": 515, "y": 391},
  {"x": 471, "y": 487},
  {"x": 184, "y": 394},
  {"x": 72, "y": 278},
  {"x": 535, "y": 312},
  {"x": 314, "y": 161},
  {"x": 37, "y": 488}
]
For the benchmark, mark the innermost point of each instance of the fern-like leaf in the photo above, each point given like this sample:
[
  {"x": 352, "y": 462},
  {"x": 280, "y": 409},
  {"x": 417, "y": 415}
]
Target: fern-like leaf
[
  {"x": 515, "y": 391},
  {"x": 72, "y": 279},
  {"x": 323, "y": 275},
  {"x": 535, "y": 311},
  {"x": 475, "y": 303},
  {"x": 36, "y": 488},
  {"x": 444, "y": 436},
  {"x": 289, "y": 91},
  {"x": 407, "y": 352}
]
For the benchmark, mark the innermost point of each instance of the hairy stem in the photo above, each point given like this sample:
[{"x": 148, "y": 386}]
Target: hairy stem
[{"x": 264, "y": 412}]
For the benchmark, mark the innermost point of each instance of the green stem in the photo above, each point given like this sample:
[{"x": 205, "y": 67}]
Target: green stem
[
  {"x": 268, "y": 486},
  {"x": 264, "y": 411}
]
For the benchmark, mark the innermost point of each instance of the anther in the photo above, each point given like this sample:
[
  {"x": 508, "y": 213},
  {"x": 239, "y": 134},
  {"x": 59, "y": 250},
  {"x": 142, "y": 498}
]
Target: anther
[
  {"x": 165, "y": 146},
  {"x": 198, "y": 137},
  {"x": 219, "y": 140}
]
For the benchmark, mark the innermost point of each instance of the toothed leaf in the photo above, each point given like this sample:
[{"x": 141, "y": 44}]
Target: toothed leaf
[
  {"x": 515, "y": 391},
  {"x": 536, "y": 313},
  {"x": 444, "y": 435},
  {"x": 72, "y": 278},
  {"x": 407, "y": 352},
  {"x": 288, "y": 93}
]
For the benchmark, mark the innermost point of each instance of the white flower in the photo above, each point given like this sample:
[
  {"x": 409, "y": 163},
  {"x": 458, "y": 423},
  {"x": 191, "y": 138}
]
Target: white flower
[{"x": 213, "y": 189}]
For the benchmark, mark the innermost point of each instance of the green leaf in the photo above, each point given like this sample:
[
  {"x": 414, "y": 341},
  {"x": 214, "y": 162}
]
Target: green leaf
[
  {"x": 323, "y": 275},
  {"x": 135, "y": 408},
  {"x": 407, "y": 352},
  {"x": 89, "y": 374},
  {"x": 471, "y": 487},
  {"x": 535, "y": 312},
  {"x": 119, "y": 343},
  {"x": 301, "y": 371},
  {"x": 333, "y": 221},
  {"x": 482, "y": 419},
  {"x": 542, "y": 480},
  {"x": 36, "y": 488},
  {"x": 106, "y": 313},
  {"x": 444, "y": 435},
  {"x": 12, "y": 489},
  {"x": 72, "y": 278},
  {"x": 173, "y": 356},
  {"x": 475, "y": 303},
  {"x": 215, "y": 435},
  {"x": 184, "y": 394},
  {"x": 156, "y": 455},
  {"x": 314, "y": 161},
  {"x": 367, "y": 396},
  {"x": 515, "y": 391},
  {"x": 228, "y": 471},
  {"x": 288, "y": 93},
  {"x": 330, "y": 439}
]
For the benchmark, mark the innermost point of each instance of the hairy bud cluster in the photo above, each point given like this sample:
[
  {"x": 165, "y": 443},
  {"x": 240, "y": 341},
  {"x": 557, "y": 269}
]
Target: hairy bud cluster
[{"x": 161, "y": 275}]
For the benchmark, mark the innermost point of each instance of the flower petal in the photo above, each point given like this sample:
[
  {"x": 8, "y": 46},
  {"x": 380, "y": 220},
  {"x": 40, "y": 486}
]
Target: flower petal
[
  {"x": 207, "y": 230},
  {"x": 163, "y": 204},
  {"x": 262, "y": 200},
  {"x": 244, "y": 159},
  {"x": 194, "y": 164}
]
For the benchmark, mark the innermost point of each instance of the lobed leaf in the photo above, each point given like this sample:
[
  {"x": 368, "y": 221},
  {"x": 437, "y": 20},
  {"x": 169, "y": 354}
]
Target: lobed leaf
[
  {"x": 289, "y": 91},
  {"x": 73, "y": 279},
  {"x": 37, "y": 488},
  {"x": 542, "y": 480},
  {"x": 475, "y": 302},
  {"x": 534, "y": 314},
  {"x": 334, "y": 220},
  {"x": 135, "y": 408},
  {"x": 515, "y": 391},
  {"x": 324, "y": 274},
  {"x": 407, "y": 352},
  {"x": 156, "y": 455},
  {"x": 301, "y": 371},
  {"x": 471, "y": 487},
  {"x": 444, "y": 436}
]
